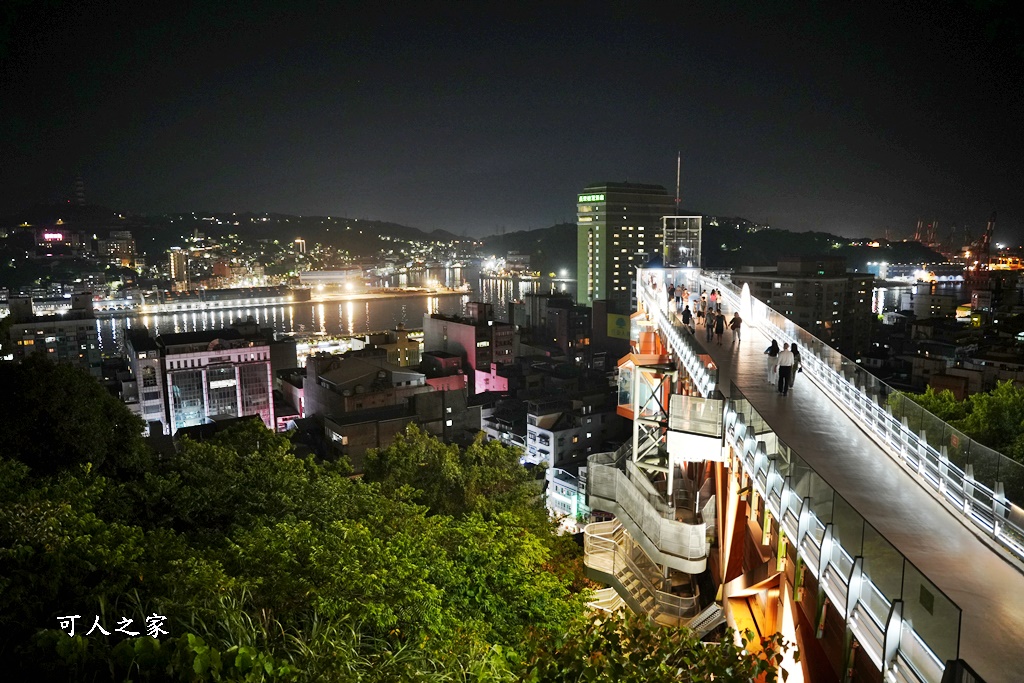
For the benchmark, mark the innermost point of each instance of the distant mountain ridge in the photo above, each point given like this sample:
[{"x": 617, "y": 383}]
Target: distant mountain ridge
[
  {"x": 733, "y": 243},
  {"x": 729, "y": 245}
]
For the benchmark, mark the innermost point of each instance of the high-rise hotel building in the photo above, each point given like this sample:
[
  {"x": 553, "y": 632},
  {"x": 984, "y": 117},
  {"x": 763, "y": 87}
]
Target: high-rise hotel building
[{"x": 618, "y": 228}]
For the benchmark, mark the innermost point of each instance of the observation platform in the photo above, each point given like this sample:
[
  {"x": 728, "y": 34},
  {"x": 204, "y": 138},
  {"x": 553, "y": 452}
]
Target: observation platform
[{"x": 984, "y": 580}]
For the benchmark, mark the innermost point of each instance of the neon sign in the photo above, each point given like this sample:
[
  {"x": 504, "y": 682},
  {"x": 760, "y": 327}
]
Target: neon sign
[
  {"x": 591, "y": 198},
  {"x": 53, "y": 236}
]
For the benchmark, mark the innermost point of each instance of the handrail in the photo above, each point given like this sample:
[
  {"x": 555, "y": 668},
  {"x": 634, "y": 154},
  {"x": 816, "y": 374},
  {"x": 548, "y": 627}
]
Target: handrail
[
  {"x": 985, "y": 487},
  {"x": 678, "y": 539},
  {"x": 682, "y": 344},
  {"x": 816, "y": 541},
  {"x": 604, "y": 538}
]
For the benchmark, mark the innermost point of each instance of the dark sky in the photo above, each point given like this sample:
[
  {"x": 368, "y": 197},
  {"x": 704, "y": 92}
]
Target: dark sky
[{"x": 848, "y": 117}]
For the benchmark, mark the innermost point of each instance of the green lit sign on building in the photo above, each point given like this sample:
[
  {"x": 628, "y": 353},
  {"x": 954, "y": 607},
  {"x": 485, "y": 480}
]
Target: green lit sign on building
[{"x": 591, "y": 198}]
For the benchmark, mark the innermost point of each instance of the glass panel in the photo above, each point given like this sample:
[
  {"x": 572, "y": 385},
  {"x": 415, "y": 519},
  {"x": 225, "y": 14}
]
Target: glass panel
[
  {"x": 626, "y": 386},
  {"x": 223, "y": 391},
  {"x": 986, "y": 464},
  {"x": 696, "y": 415},
  {"x": 847, "y": 526},
  {"x": 188, "y": 401},
  {"x": 883, "y": 564},
  {"x": 876, "y": 603},
  {"x": 256, "y": 391},
  {"x": 933, "y": 616},
  {"x": 821, "y": 498}
]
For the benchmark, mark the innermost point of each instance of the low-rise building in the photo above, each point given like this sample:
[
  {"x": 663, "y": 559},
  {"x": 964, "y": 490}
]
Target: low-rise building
[
  {"x": 189, "y": 378},
  {"x": 479, "y": 339},
  {"x": 69, "y": 337},
  {"x": 819, "y": 295}
]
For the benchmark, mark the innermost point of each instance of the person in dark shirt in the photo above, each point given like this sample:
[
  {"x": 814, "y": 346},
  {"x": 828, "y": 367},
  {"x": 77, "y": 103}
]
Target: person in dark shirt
[
  {"x": 773, "y": 358},
  {"x": 719, "y": 327},
  {"x": 734, "y": 325}
]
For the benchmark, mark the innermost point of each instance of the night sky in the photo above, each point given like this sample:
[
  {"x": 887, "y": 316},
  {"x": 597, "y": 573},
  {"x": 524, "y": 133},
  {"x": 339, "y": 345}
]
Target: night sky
[{"x": 847, "y": 117}]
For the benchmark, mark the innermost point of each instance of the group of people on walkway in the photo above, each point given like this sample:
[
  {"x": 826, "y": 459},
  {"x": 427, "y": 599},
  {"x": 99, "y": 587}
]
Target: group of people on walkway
[
  {"x": 714, "y": 324},
  {"x": 783, "y": 364}
]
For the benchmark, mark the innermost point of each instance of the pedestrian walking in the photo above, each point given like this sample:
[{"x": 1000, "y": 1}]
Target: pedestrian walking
[
  {"x": 773, "y": 358},
  {"x": 785, "y": 369},
  {"x": 735, "y": 325},
  {"x": 688, "y": 319},
  {"x": 709, "y": 325},
  {"x": 796, "y": 365},
  {"x": 719, "y": 327}
]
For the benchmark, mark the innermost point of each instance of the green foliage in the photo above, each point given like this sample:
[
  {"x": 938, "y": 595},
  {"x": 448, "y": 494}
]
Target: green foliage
[
  {"x": 439, "y": 566},
  {"x": 942, "y": 404},
  {"x": 486, "y": 477},
  {"x": 994, "y": 419},
  {"x": 270, "y": 567},
  {"x": 626, "y": 648},
  {"x": 59, "y": 418},
  {"x": 240, "y": 475}
]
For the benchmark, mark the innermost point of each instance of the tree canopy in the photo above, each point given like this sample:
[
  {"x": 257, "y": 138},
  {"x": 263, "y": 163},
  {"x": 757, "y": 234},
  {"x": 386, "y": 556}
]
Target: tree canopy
[
  {"x": 994, "y": 419},
  {"x": 440, "y": 565}
]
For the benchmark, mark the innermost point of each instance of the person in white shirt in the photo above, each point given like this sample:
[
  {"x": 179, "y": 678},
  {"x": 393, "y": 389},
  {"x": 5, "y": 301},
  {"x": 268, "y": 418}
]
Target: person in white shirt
[{"x": 786, "y": 360}]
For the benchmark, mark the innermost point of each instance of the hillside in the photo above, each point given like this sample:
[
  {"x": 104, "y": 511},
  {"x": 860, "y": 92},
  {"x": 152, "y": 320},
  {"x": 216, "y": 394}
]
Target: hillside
[{"x": 724, "y": 247}]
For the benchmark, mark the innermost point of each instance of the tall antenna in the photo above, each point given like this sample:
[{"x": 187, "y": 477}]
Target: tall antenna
[{"x": 679, "y": 158}]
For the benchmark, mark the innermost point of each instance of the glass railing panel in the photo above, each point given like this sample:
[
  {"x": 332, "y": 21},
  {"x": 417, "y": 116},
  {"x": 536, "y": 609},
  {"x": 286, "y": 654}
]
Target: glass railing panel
[
  {"x": 816, "y": 530},
  {"x": 800, "y": 476},
  {"x": 934, "y": 617},
  {"x": 875, "y": 603},
  {"x": 1012, "y": 475},
  {"x": 696, "y": 415},
  {"x": 841, "y": 560},
  {"x": 914, "y": 661},
  {"x": 811, "y": 553},
  {"x": 883, "y": 564},
  {"x": 985, "y": 462},
  {"x": 847, "y": 526},
  {"x": 783, "y": 460},
  {"x": 954, "y": 480},
  {"x": 822, "y": 498},
  {"x": 934, "y": 429}
]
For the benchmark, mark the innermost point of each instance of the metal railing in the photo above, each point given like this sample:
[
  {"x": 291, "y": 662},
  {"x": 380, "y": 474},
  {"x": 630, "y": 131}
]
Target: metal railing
[
  {"x": 679, "y": 340},
  {"x": 870, "y": 583},
  {"x": 984, "y": 486},
  {"x": 678, "y": 539},
  {"x": 609, "y": 549}
]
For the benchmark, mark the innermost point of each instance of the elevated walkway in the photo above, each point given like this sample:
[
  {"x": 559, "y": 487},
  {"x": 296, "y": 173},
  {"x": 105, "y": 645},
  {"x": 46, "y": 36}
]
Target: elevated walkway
[{"x": 984, "y": 580}]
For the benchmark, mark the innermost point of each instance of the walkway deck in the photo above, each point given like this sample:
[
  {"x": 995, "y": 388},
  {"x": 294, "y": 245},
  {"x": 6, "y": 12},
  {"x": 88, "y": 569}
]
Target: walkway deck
[{"x": 988, "y": 587}]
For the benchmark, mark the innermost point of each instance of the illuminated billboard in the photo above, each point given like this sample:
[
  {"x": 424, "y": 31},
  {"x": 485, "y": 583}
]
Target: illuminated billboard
[{"x": 618, "y": 326}]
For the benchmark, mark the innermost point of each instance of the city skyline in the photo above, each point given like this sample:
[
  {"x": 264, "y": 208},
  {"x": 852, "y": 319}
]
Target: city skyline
[{"x": 850, "y": 120}]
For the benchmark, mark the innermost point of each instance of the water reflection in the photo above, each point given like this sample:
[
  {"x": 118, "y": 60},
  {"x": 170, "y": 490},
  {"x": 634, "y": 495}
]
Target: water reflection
[{"x": 347, "y": 317}]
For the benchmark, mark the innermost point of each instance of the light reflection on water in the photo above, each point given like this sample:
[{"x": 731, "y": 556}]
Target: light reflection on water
[{"x": 343, "y": 317}]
